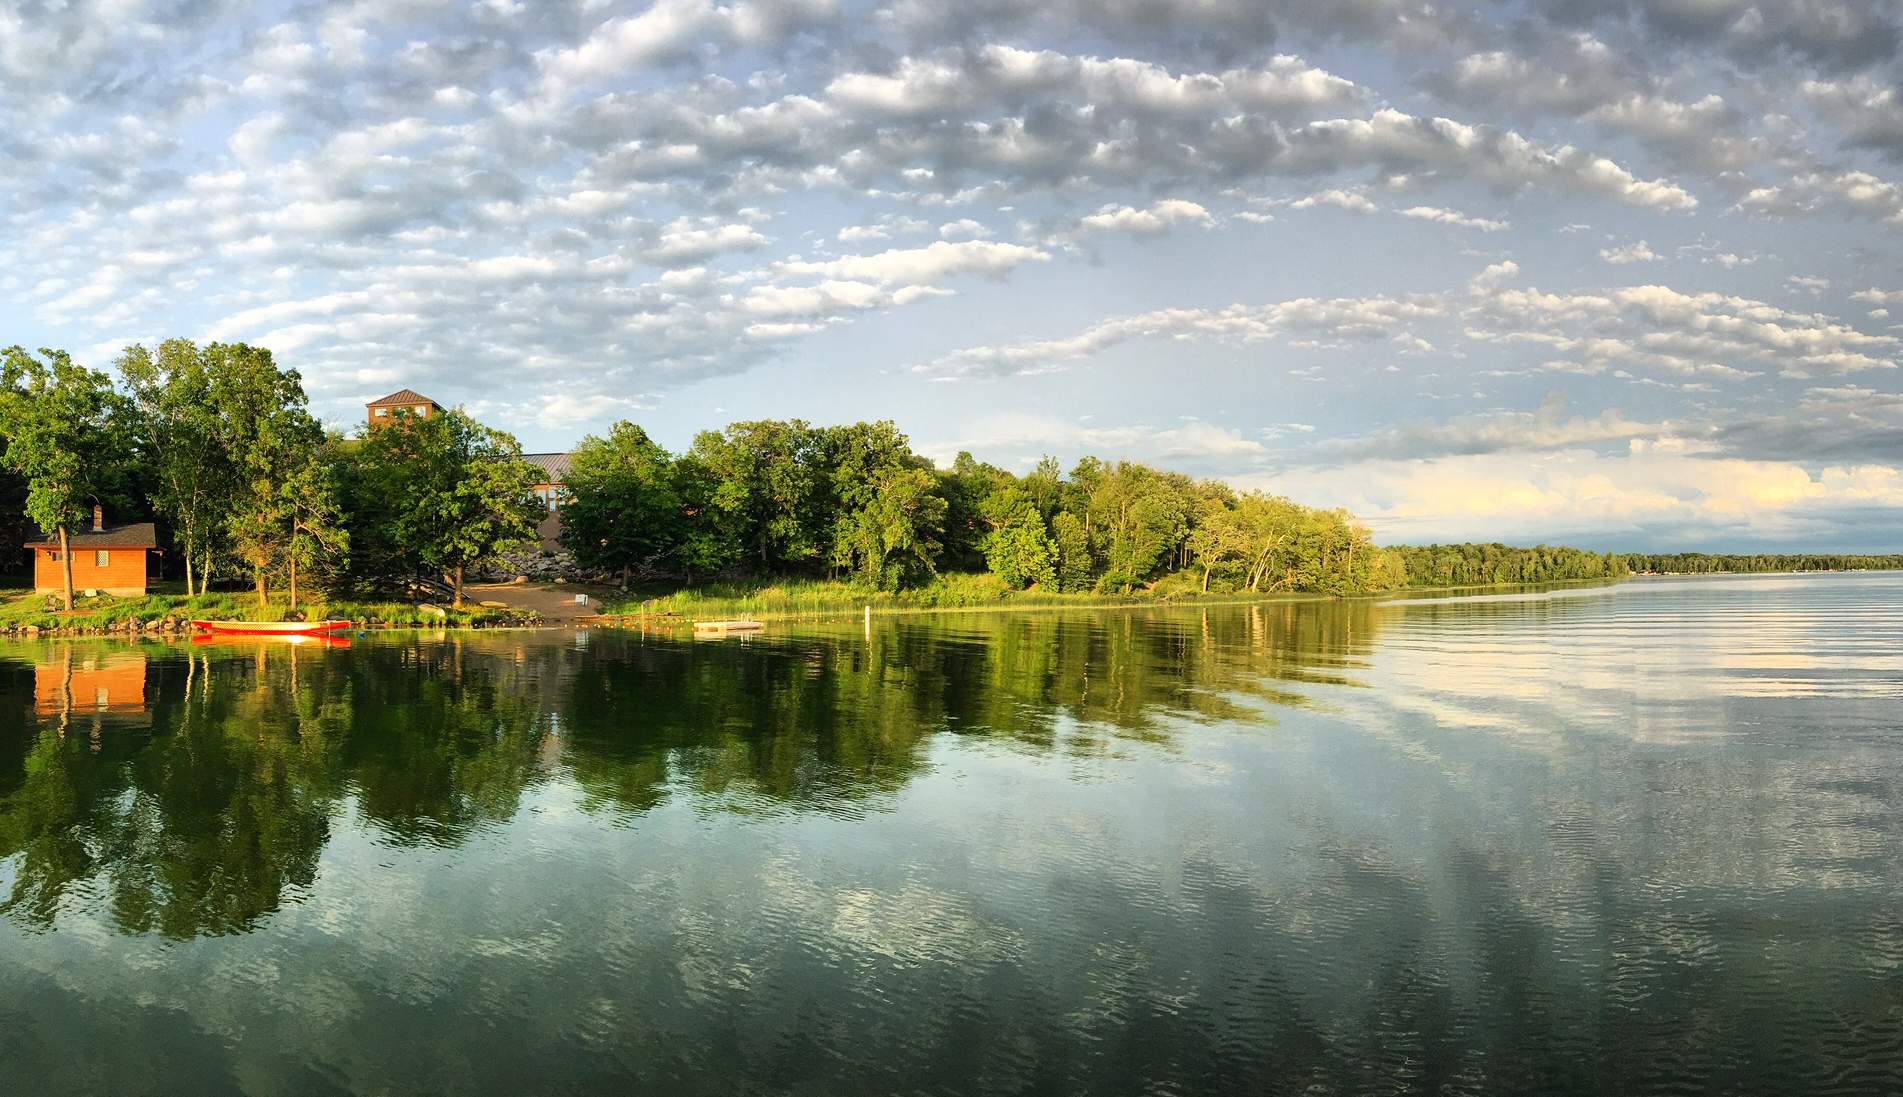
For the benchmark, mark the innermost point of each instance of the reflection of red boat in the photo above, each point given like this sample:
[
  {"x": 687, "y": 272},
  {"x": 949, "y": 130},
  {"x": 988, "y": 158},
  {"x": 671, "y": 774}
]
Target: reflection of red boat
[
  {"x": 272, "y": 628},
  {"x": 314, "y": 639}
]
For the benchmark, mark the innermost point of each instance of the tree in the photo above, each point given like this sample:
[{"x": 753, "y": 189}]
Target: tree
[
  {"x": 65, "y": 432},
  {"x": 711, "y": 536},
  {"x": 178, "y": 429},
  {"x": 455, "y": 494},
  {"x": 768, "y": 476},
  {"x": 623, "y": 511},
  {"x": 1143, "y": 517},
  {"x": 1072, "y": 542},
  {"x": 1020, "y": 552},
  {"x": 312, "y": 518},
  {"x": 271, "y": 442},
  {"x": 893, "y": 539}
]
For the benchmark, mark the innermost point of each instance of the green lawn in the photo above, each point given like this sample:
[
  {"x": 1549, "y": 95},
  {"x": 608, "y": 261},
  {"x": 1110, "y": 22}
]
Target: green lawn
[{"x": 19, "y": 609}]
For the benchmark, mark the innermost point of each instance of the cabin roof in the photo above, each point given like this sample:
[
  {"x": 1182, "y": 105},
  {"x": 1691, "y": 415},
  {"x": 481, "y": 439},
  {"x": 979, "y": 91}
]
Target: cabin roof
[
  {"x": 132, "y": 535},
  {"x": 404, "y": 396},
  {"x": 553, "y": 465}
]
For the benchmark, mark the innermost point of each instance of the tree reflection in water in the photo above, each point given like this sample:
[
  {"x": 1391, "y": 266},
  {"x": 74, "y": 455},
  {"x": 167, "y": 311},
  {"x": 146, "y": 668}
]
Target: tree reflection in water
[{"x": 192, "y": 791}]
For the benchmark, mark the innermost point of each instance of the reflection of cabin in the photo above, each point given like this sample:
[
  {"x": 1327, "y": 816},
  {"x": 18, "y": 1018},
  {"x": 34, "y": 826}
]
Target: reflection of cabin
[
  {"x": 111, "y": 559},
  {"x": 110, "y": 683},
  {"x": 552, "y": 490},
  {"x": 383, "y": 412}
]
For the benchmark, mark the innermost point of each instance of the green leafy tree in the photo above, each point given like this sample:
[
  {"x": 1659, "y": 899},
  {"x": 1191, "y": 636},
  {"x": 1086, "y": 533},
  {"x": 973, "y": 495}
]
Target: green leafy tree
[
  {"x": 1072, "y": 541},
  {"x": 893, "y": 538},
  {"x": 455, "y": 495},
  {"x": 769, "y": 477},
  {"x": 1021, "y": 553},
  {"x": 178, "y": 425},
  {"x": 623, "y": 512},
  {"x": 313, "y": 521},
  {"x": 1143, "y": 517},
  {"x": 712, "y": 537},
  {"x": 271, "y": 441},
  {"x": 66, "y": 435}
]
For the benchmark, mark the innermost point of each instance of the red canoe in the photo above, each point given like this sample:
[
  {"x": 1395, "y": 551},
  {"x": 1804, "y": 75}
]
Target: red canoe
[
  {"x": 272, "y": 628},
  {"x": 252, "y": 640}
]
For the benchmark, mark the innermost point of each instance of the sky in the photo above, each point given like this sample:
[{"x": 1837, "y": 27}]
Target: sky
[{"x": 1617, "y": 273}]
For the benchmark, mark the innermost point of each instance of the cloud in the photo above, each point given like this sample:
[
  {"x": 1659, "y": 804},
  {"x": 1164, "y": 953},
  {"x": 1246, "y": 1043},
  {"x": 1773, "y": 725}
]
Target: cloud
[
  {"x": 1352, "y": 201},
  {"x": 1158, "y": 218},
  {"x": 1640, "y": 252},
  {"x": 931, "y": 263},
  {"x": 668, "y": 30},
  {"x": 1030, "y": 436},
  {"x": 1647, "y": 497},
  {"x": 1854, "y": 193},
  {"x": 1454, "y": 217},
  {"x": 1693, "y": 335},
  {"x": 1359, "y": 319},
  {"x": 956, "y": 82},
  {"x": 1547, "y": 428},
  {"x": 1867, "y": 112}
]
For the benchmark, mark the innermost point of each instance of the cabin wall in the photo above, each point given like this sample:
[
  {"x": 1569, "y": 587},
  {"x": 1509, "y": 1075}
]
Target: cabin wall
[{"x": 124, "y": 573}]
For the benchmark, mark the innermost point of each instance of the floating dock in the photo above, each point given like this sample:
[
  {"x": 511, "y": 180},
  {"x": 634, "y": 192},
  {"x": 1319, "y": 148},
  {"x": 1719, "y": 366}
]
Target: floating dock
[{"x": 728, "y": 626}]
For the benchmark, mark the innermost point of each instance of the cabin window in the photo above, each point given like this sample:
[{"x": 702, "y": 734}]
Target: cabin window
[
  {"x": 101, "y": 558},
  {"x": 53, "y": 556},
  {"x": 383, "y": 413}
]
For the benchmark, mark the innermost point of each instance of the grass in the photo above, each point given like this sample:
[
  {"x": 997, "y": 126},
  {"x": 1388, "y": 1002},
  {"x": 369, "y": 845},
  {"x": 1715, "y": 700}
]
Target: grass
[
  {"x": 765, "y": 599},
  {"x": 21, "y": 610}
]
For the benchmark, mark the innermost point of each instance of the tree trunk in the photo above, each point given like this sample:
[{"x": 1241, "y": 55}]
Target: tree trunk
[
  {"x": 624, "y": 577},
  {"x": 293, "y": 562},
  {"x": 66, "y": 564},
  {"x": 1205, "y": 578},
  {"x": 457, "y": 601},
  {"x": 188, "y": 573},
  {"x": 263, "y": 596}
]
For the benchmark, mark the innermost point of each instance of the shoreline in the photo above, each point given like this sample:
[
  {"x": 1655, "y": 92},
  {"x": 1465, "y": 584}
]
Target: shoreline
[{"x": 143, "y": 628}]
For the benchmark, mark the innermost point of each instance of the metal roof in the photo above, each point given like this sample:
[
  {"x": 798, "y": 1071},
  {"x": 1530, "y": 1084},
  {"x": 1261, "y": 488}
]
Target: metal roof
[
  {"x": 553, "y": 465},
  {"x": 404, "y": 396},
  {"x": 132, "y": 535}
]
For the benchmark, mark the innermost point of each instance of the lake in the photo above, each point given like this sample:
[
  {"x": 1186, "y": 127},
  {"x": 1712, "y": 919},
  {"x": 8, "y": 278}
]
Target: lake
[{"x": 1621, "y": 840}]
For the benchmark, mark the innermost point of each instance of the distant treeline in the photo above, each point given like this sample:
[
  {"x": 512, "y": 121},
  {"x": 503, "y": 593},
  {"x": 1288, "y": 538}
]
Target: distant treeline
[
  {"x": 1494, "y": 564},
  {"x": 1707, "y": 563}
]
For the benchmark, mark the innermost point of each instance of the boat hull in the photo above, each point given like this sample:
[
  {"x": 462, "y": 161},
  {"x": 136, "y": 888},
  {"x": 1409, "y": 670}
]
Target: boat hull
[
  {"x": 271, "y": 628},
  {"x": 257, "y": 639}
]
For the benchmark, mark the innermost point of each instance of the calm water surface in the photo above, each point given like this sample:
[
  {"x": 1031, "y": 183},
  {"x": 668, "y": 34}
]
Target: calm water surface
[{"x": 1633, "y": 840}]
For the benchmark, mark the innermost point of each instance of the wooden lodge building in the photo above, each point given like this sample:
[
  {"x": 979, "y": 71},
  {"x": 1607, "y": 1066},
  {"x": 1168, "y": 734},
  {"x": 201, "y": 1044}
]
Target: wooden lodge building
[
  {"x": 383, "y": 412},
  {"x": 110, "y": 559}
]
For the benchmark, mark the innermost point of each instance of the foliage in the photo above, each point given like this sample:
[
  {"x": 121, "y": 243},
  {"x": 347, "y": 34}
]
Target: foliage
[
  {"x": 1494, "y": 564},
  {"x": 282, "y": 511},
  {"x": 177, "y": 423},
  {"x": 1021, "y": 553},
  {"x": 1706, "y": 563},
  {"x": 442, "y": 491},
  {"x": 623, "y": 512},
  {"x": 65, "y": 436},
  {"x": 891, "y": 538}
]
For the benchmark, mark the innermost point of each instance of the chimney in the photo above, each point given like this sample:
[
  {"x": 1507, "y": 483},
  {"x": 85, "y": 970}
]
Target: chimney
[{"x": 99, "y": 518}]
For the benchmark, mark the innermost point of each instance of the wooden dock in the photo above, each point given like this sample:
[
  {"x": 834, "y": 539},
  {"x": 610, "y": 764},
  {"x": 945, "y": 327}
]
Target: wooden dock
[{"x": 724, "y": 627}]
